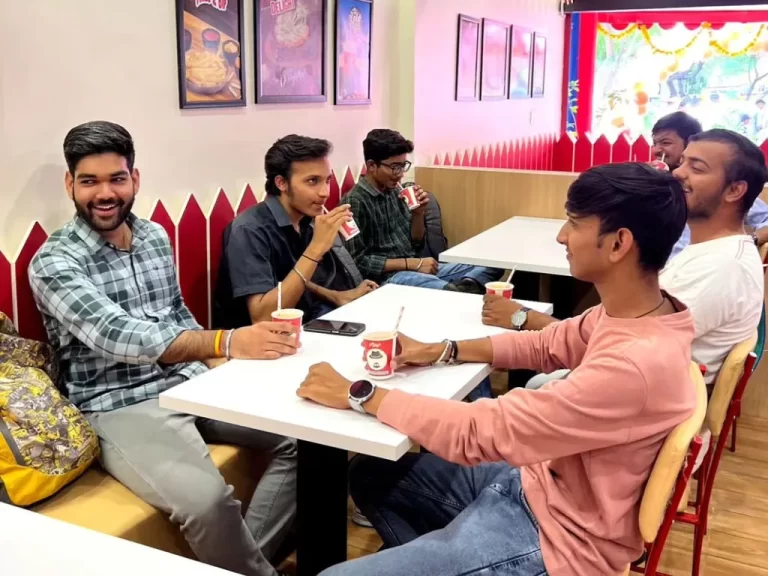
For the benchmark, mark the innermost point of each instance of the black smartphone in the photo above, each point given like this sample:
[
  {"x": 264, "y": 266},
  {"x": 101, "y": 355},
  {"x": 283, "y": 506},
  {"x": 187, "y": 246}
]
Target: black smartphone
[{"x": 338, "y": 327}]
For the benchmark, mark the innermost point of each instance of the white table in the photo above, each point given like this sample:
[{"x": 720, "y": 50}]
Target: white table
[
  {"x": 262, "y": 395},
  {"x": 33, "y": 545},
  {"x": 528, "y": 244}
]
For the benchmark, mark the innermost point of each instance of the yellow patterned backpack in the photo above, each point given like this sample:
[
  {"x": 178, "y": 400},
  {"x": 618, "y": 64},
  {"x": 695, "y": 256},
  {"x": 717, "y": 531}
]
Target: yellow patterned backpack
[{"x": 45, "y": 442}]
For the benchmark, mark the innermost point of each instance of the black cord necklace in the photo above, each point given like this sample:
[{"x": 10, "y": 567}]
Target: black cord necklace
[{"x": 663, "y": 299}]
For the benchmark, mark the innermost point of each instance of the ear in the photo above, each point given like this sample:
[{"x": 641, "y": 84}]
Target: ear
[
  {"x": 281, "y": 183},
  {"x": 370, "y": 166},
  {"x": 69, "y": 185},
  {"x": 735, "y": 191},
  {"x": 136, "y": 177},
  {"x": 622, "y": 243}
]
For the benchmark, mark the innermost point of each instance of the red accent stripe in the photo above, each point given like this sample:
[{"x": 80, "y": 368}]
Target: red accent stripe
[
  {"x": 6, "y": 288},
  {"x": 222, "y": 214},
  {"x": 193, "y": 263},
  {"x": 29, "y": 322}
]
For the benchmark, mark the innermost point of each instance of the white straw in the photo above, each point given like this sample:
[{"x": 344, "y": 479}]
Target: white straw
[
  {"x": 663, "y": 155},
  {"x": 512, "y": 273},
  {"x": 279, "y": 296},
  {"x": 397, "y": 327}
]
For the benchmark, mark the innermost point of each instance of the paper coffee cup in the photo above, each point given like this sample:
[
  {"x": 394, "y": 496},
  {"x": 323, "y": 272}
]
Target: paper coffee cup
[
  {"x": 659, "y": 165},
  {"x": 378, "y": 353},
  {"x": 290, "y": 316},
  {"x": 409, "y": 195},
  {"x": 504, "y": 289},
  {"x": 349, "y": 230}
]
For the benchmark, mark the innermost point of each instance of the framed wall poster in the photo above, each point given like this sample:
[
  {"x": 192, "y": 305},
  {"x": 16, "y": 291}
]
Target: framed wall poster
[
  {"x": 495, "y": 60},
  {"x": 539, "y": 64},
  {"x": 354, "y": 35},
  {"x": 211, "y": 66},
  {"x": 468, "y": 59},
  {"x": 520, "y": 62},
  {"x": 289, "y": 39}
]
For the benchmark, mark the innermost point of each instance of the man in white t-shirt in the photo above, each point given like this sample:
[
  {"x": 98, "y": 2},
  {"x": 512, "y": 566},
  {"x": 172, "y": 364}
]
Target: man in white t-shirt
[{"x": 719, "y": 275}]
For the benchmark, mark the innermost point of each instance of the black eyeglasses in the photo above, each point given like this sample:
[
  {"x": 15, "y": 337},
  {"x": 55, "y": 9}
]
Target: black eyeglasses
[{"x": 397, "y": 168}]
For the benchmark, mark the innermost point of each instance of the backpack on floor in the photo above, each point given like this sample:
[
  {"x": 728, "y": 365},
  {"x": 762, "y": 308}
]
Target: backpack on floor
[{"x": 45, "y": 442}]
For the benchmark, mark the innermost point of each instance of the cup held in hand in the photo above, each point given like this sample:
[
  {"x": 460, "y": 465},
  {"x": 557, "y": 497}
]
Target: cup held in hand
[
  {"x": 409, "y": 196},
  {"x": 504, "y": 289},
  {"x": 349, "y": 230},
  {"x": 378, "y": 353},
  {"x": 290, "y": 316}
]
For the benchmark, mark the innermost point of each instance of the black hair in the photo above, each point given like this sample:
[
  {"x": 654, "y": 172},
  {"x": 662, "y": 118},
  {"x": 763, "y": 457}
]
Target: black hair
[
  {"x": 648, "y": 202},
  {"x": 747, "y": 163},
  {"x": 289, "y": 149},
  {"x": 761, "y": 101},
  {"x": 98, "y": 137},
  {"x": 680, "y": 123},
  {"x": 382, "y": 143}
]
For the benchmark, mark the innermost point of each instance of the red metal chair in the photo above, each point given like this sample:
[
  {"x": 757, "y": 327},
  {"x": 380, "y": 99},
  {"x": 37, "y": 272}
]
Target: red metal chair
[
  {"x": 667, "y": 485},
  {"x": 724, "y": 407}
]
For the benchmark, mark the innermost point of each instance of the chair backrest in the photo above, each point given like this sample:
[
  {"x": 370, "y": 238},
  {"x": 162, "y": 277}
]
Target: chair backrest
[
  {"x": 670, "y": 462},
  {"x": 725, "y": 384}
]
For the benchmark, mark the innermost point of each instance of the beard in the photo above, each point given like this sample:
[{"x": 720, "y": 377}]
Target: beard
[
  {"x": 705, "y": 208},
  {"x": 100, "y": 223}
]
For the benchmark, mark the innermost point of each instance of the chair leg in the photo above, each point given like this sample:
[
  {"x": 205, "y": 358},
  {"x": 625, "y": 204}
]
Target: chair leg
[
  {"x": 733, "y": 434},
  {"x": 698, "y": 546}
]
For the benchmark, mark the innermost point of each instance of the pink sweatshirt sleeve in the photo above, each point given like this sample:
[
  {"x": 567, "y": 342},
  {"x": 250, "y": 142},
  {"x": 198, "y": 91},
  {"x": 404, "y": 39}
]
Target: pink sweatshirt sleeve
[
  {"x": 560, "y": 345},
  {"x": 594, "y": 407}
]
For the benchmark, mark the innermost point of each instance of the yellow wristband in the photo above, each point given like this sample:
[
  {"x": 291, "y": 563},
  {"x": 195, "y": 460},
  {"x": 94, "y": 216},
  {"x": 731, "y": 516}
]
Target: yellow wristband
[{"x": 217, "y": 344}]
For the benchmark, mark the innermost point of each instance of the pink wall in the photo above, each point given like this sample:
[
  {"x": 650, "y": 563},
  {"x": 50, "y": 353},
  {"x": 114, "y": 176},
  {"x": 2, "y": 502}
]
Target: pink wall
[{"x": 443, "y": 125}]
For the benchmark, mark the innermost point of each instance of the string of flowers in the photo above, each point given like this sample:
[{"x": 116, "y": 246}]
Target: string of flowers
[{"x": 706, "y": 28}]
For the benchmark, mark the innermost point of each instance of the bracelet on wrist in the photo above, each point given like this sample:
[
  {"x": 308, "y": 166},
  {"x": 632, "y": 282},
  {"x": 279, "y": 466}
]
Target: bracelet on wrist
[
  {"x": 303, "y": 278},
  {"x": 217, "y": 344},
  {"x": 446, "y": 353},
  {"x": 405, "y": 260},
  {"x": 227, "y": 345},
  {"x": 310, "y": 259}
]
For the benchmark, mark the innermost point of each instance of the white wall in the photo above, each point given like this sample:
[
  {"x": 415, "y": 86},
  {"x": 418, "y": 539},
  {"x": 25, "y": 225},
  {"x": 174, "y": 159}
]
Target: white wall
[
  {"x": 443, "y": 125},
  {"x": 63, "y": 62}
]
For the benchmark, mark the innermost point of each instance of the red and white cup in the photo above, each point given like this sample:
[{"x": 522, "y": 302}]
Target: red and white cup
[
  {"x": 659, "y": 165},
  {"x": 290, "y": 316},
  {"x": 379, "y": 350},
  {"x": 349, "y": 230},
  {"x": 409, "y": 196},
  {"x": 504, "y": 289}
]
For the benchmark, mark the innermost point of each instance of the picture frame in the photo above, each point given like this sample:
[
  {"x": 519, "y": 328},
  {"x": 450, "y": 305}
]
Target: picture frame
[
  {"x": 494, "y": 83},
  {"x": 520, "y": 62},
  {"x": 539, "y": 69},
  {"x": 211, "y": 62},
  {"x": 353, "y": 52},
  {"x": 468, "y": 59},
  {"x": 290, "y": 46}
]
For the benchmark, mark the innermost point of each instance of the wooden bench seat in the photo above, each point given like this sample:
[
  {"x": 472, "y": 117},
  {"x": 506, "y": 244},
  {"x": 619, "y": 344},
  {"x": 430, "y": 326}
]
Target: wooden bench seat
[{"x": 99, "y": 502}]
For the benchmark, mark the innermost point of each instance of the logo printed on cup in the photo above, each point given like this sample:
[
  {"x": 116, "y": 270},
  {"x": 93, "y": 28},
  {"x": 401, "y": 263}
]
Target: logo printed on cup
[
  {"x": 659, "y": 165},
  {"x": 504, "y": 289},
  {"x": 378, "y": 352},
  {"x": 290, "y": 316},
  {"x": 349, "y": 230},
  {"x": 409, "y": 195}
]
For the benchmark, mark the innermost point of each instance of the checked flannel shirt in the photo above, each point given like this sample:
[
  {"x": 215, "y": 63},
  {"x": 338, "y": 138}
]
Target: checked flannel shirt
[
  {"x": 385, "y": 229},
  {"x": 110, "y": 314}
]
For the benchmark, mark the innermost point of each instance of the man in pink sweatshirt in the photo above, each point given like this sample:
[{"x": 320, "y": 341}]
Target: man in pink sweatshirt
[{"x": 547, "y": 481}]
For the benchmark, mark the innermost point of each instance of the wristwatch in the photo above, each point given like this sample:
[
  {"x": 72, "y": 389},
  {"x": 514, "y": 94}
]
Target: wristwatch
[
  {"x": 519, "y": 318},
  {"x": 359, "y": 393}
]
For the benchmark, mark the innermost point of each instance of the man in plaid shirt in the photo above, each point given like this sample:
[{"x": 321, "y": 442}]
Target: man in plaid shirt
[
  {"x": 390, "y": 234},
  {"x": 106, "y": 287}
]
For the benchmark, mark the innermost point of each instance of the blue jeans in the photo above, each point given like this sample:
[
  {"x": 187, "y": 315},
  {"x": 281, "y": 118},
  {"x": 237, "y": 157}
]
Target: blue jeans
[
  {"x": 446, "y": 273},
  {"x": 483, "y": 390},
  {"x": 441, "y": 518}
]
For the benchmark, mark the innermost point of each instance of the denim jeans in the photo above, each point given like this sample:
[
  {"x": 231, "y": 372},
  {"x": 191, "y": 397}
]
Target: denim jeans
[
  {"x": 441, "y": 518},
  {"x": 446, "y": 273}
]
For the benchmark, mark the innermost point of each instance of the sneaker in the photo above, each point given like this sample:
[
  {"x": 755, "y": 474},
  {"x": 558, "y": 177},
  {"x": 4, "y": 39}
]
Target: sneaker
[
  {"x": 469, "y": 286},
  {"x": 359, "y": 519}
]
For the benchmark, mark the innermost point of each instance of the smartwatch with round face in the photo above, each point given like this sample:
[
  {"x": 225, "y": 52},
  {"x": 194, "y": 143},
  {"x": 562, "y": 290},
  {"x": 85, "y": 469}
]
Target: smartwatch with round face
[
  {"x": 359, "y": 393},
  {"x": 519, "y": 318}
]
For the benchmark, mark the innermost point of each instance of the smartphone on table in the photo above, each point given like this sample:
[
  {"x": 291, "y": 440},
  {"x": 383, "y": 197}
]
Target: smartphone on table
[{"x": 336, "y": 327}]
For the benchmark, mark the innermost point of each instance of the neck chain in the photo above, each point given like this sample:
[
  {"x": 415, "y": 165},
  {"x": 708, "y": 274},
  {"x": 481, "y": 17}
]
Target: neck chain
[{"x": 663, "y": 299}]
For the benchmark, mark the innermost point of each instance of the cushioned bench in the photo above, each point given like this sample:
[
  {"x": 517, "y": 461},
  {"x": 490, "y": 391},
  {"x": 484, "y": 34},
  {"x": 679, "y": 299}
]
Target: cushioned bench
[{"x": 99, "y": 502}]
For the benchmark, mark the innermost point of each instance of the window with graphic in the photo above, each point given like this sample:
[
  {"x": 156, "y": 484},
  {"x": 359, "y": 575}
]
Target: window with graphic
[{"x": 719, "y": 76}]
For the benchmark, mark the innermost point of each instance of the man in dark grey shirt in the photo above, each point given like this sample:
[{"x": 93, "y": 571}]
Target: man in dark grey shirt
[{"x": 288, "y": 239}]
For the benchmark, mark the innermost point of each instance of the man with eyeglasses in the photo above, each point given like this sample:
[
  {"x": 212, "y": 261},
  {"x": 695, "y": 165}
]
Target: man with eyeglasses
[{"x": 391, "y": 235}]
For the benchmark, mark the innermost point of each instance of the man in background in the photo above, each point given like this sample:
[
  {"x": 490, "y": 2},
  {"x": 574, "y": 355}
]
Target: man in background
[{"x": 391, "y": 235}]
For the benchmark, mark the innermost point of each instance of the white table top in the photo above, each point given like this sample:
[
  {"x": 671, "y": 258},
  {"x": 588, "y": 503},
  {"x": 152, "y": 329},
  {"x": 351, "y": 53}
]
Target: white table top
[
  {"x": 33, "y": 545},
  {"x": 528, "y": 244},
  {"x": 262, "y": 394}
]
